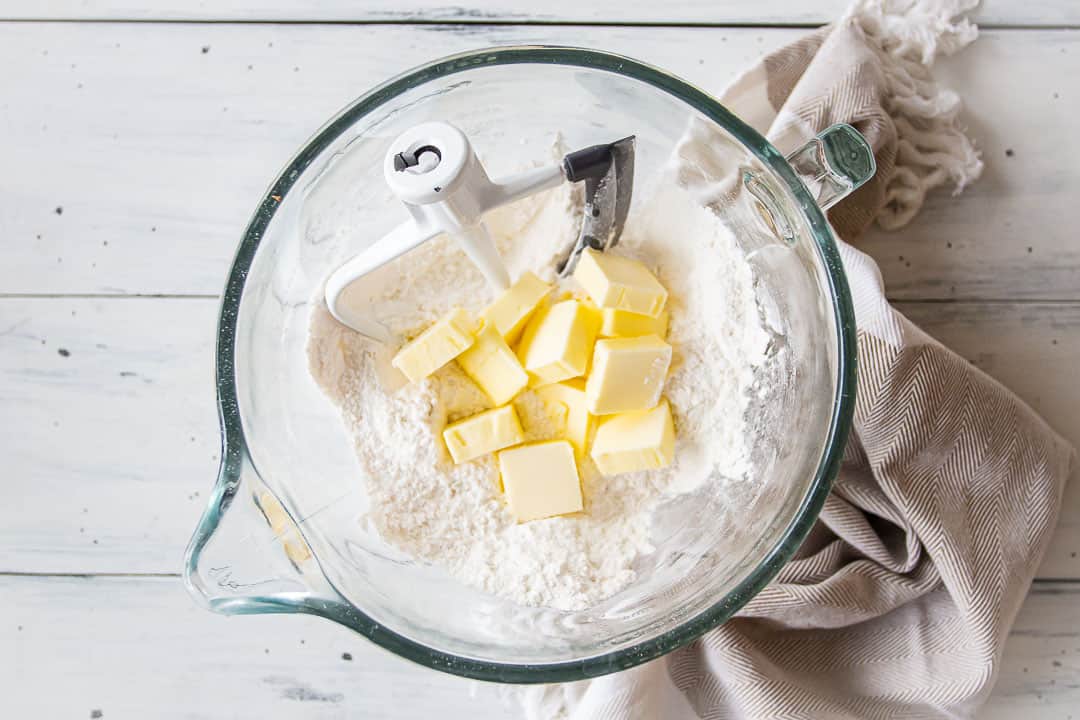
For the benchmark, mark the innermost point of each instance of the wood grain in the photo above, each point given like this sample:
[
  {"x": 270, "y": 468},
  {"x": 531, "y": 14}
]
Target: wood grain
[
  {"x": 155, "y": 151},
  {"x": 133, "y": 154},
  {"x": 132, "y": 407},
  {"x": 1011, "y": 234},
  {"x": 110, "y": 433},
  {"x": 141, "y": 648},
  {"x": 179, "y": 661},
  {"x": 1039, "y": 675},
  {"x": 712, "y": 12}
]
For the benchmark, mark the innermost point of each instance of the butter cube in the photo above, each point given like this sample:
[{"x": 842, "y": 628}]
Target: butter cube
[
  {"x": 620, "y": 283},
  {"x": 514, "y": 307},
  {"x": 627, "y": 374},
  {"x": 635, "y": 441},
  {"x": 284, "y": 528},
  {"x": 558, "y": 342},
  {"x": 483, "y": 433},
  {"x": 620, "y": 323},
  {"x": 541, "y": 480},
  {"x": 567, "y": 399},
  {"x": 494, "y": 367},
  {"x": 436, "y": 346}
]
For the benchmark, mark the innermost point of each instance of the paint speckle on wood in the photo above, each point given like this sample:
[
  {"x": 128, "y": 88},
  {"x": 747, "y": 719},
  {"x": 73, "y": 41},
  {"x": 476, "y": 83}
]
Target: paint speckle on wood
[{"x": 307, "y": 694}]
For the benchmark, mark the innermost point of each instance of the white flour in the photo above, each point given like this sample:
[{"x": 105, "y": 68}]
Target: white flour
[{"x": 454, "y": 515}]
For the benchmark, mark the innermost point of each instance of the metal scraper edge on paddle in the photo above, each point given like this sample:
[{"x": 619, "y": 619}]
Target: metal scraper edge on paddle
[{"x": 433, "y": 170}]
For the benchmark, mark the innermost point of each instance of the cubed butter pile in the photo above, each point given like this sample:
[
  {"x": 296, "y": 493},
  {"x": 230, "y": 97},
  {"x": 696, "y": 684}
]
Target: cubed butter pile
[
  {"x": 485, "y": 433},
  {"x": 597, "y": 363},
  {"x": 558, "y": 343},
  {"x": 436, "y": 346},
  {"x": 540, "y": 480}
]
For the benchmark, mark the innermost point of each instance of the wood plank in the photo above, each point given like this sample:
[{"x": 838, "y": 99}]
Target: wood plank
[
  {"x": 110, "y": 434},
  {"x": 185, "y": 141},
  {"x": 139, "y": 647},
  {"x": 724, "y": 12},
  {"x": 1010, "y": 235},
  {"x": 1040, "y": 671},
  {"x": 116, "y": 443}
]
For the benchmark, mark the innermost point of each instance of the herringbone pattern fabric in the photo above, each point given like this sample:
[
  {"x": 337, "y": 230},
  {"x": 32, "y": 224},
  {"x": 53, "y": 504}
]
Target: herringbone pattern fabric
[{"x": 899, "y": 602}]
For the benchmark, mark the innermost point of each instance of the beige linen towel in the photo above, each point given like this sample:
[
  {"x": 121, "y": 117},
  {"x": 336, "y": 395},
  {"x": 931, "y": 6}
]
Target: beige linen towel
[{"x": 899, "y": 602}]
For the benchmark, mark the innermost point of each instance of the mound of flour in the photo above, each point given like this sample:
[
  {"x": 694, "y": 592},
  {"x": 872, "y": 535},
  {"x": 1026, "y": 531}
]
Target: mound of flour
[{"x": 454, "y": 515}]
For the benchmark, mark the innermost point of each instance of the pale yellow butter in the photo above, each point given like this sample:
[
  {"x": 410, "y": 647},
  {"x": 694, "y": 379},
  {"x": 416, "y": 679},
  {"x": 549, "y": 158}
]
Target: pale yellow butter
[
  {"x": 558, "y": 342},
  {"x": 620, "y": 323},
  {"x": 635, "y": 441},
  {"x": 494, "y": 367},
  {"x": 284, "y": 528},
  {"x": 483, "y": 433},
  {"x": 514, "y": 307},
  {"x": 627, "y": 374},
  {"x": 439, "y": 344},
  {"x": 541, "y": 480},
  {"x": 620, "y": 283},
  {"x": 567, "y": 400}
]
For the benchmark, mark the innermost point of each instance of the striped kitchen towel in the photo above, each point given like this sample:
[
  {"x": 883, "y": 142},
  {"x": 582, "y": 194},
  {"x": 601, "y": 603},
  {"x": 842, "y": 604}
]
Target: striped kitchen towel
[{"x": 899, "y": 602}]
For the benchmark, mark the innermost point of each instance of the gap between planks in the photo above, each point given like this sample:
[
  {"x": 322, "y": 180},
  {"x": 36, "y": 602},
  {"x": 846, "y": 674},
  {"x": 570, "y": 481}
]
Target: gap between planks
[
  {"x": 599, "y": 13},
  {"x": 1039, "y": 581},
  {"x": 732, "y": 25},
  {"x": 144, "y": 296},
  {"x": 210, "y": 296},
  {"x": 109, "y": 296}
]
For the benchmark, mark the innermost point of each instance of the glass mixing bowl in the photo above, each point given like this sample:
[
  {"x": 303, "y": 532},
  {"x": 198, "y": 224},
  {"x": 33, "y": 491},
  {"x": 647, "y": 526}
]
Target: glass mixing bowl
[{"x": 281, "y": 532}]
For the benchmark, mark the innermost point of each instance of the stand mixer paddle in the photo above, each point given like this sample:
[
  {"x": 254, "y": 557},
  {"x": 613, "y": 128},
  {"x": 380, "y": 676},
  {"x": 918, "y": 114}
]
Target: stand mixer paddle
[{"x": 433, "y": 170}]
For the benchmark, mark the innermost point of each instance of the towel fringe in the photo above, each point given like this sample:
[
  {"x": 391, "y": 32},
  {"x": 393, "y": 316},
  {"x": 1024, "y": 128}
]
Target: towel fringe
[{"x": 933, "y": 147}]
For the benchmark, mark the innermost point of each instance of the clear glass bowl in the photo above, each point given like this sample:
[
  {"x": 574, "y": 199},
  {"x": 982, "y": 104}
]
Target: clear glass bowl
[{"x": 280, "y": 533}]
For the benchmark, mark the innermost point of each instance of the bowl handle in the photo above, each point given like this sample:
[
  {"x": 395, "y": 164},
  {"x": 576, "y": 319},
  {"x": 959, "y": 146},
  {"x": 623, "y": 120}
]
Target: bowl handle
[
  {"x": 834, "y": 164},
  {"x": 247, "y": 555}
]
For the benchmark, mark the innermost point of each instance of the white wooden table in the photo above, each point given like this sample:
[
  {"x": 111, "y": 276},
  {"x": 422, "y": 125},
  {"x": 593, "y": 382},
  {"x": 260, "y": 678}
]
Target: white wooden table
[{"x": 135, "y": 137}]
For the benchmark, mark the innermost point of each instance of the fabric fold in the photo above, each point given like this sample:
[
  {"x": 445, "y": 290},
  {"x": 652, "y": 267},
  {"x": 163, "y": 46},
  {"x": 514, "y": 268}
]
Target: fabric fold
[{"x": 899, "y": 602}]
